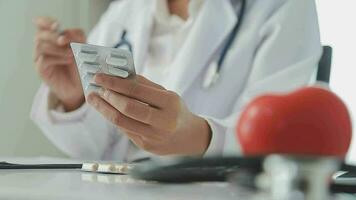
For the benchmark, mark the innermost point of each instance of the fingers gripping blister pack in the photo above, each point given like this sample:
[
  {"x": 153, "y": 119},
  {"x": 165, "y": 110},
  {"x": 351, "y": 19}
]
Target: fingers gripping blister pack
[{"x": 93, "y": 59}]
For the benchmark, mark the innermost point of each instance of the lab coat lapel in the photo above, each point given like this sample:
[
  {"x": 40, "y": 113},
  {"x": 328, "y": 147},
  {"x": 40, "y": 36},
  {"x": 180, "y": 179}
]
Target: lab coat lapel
[
  {"x": 142, "y": 29},
  {"x": 214, "y": 23}
]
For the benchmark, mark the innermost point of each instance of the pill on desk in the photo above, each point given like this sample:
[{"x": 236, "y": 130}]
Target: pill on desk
[
  {"x": 90, "y": 167},
  {"x": 106, "y": 168},
  {"x": 88, "y": 56},
  {"x": 123, "y": 169},
  {"x": 118, "y": 72},
  {"x": 90, "y": 67},
  {"x": 116, "y": 60}
]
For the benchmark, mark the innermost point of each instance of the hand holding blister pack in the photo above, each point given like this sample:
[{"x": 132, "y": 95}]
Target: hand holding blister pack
[{"x": 93, "y": 59}]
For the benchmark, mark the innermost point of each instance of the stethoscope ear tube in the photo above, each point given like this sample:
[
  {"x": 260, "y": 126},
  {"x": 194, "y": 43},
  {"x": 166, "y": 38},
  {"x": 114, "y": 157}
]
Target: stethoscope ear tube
[
  {"x": 233, "y": 35},
  {"x": 124, "y": 42},
  {"x": 213, "y": 74}
]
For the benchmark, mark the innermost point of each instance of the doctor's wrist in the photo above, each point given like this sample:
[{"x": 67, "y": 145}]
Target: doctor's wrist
[
  {"x": 67, "y": 103},
  {"x": 72, "y": 104},
  {"x": 205, "y": 136}
]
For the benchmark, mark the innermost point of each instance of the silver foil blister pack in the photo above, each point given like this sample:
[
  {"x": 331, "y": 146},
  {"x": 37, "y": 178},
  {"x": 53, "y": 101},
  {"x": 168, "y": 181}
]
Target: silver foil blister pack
[{"x": 92, "y": 59}]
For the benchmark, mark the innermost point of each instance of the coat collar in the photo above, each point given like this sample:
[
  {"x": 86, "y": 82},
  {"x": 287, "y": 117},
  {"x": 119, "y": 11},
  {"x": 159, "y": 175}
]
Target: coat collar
[
  {"x": 141, "y": 27},
  {"x": 213, "y": 24}
]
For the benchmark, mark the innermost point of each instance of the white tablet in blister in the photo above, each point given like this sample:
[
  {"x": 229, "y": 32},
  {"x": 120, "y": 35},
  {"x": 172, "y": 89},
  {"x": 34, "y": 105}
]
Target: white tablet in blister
[{"x": 92, "y": 59}]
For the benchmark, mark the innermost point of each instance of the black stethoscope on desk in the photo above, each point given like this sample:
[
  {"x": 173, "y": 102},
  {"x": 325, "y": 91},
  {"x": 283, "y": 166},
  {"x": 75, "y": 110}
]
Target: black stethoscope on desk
[
  {"x": 213, "y": 73},
  {"x": 188, "y": 170}
]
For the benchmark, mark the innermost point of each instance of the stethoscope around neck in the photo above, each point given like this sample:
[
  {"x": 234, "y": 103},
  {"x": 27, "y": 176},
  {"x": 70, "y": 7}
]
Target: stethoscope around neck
[
  {"x": 212, "y": 75},
  {"x": 124, "y": 42}
]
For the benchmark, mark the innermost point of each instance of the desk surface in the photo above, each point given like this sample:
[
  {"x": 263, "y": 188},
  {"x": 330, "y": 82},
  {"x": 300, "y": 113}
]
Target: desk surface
[{"x": 69, "y": 184}]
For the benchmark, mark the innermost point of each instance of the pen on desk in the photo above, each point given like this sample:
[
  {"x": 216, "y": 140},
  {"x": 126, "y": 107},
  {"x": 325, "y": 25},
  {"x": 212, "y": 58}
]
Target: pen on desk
[{"x": 10, "y": 166}]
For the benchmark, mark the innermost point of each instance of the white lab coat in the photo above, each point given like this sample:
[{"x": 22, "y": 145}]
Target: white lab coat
[{"x": 277, "y": 49}]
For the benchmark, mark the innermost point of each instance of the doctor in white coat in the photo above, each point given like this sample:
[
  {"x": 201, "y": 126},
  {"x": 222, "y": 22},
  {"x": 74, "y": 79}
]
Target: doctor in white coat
[{"x": 167, "y": 110}]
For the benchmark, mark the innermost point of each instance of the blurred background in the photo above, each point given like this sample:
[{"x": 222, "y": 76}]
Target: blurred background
[
  {"x": 19, "y": 82},
  {"x": 338, "y": 29}
]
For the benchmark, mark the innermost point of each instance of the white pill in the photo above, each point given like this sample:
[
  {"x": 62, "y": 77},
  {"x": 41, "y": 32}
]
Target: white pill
[
  {"x": 123, "y": 169},
  {"x": 89, "y": 49},
  {"x": 116, "y": 60},
  {"x": 118, "y": 72},
  {"x": 88, "y": 56},
  {"x": 106, "y": 168},
  {"x": 90, "y": 67},
  {"x": 90, "y": 167}
]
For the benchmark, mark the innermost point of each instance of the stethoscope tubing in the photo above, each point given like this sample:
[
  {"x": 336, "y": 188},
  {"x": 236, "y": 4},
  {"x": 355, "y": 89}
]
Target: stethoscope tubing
[
  {"x": 233, "y": 35},
  {"x": 230, "y": 41}
]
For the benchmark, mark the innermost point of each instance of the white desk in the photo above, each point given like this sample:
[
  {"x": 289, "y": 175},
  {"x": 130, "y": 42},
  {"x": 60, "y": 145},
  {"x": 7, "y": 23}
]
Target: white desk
[{"x": 69, "y": 184}]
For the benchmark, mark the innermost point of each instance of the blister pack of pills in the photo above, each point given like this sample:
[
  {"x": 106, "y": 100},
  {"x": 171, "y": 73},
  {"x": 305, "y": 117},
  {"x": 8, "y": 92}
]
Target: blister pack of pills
[{"x": 92, "y": 59}]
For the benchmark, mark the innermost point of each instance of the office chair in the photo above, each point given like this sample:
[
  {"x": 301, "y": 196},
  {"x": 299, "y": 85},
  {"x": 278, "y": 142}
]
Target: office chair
[{"x": 324, "y": 68}]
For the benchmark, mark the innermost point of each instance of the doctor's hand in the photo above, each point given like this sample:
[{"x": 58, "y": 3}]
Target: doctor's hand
[
  {"x": 55, "y": 62},
  {"x": 154, "y": 118}
]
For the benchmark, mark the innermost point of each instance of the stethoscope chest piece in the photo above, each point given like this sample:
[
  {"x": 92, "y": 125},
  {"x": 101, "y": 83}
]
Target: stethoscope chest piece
[{"x": 211, "y": 76}]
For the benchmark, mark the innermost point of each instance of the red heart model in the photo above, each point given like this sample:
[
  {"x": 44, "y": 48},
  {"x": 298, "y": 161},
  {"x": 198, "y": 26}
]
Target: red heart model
[{"x": 308, "y": 122}]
